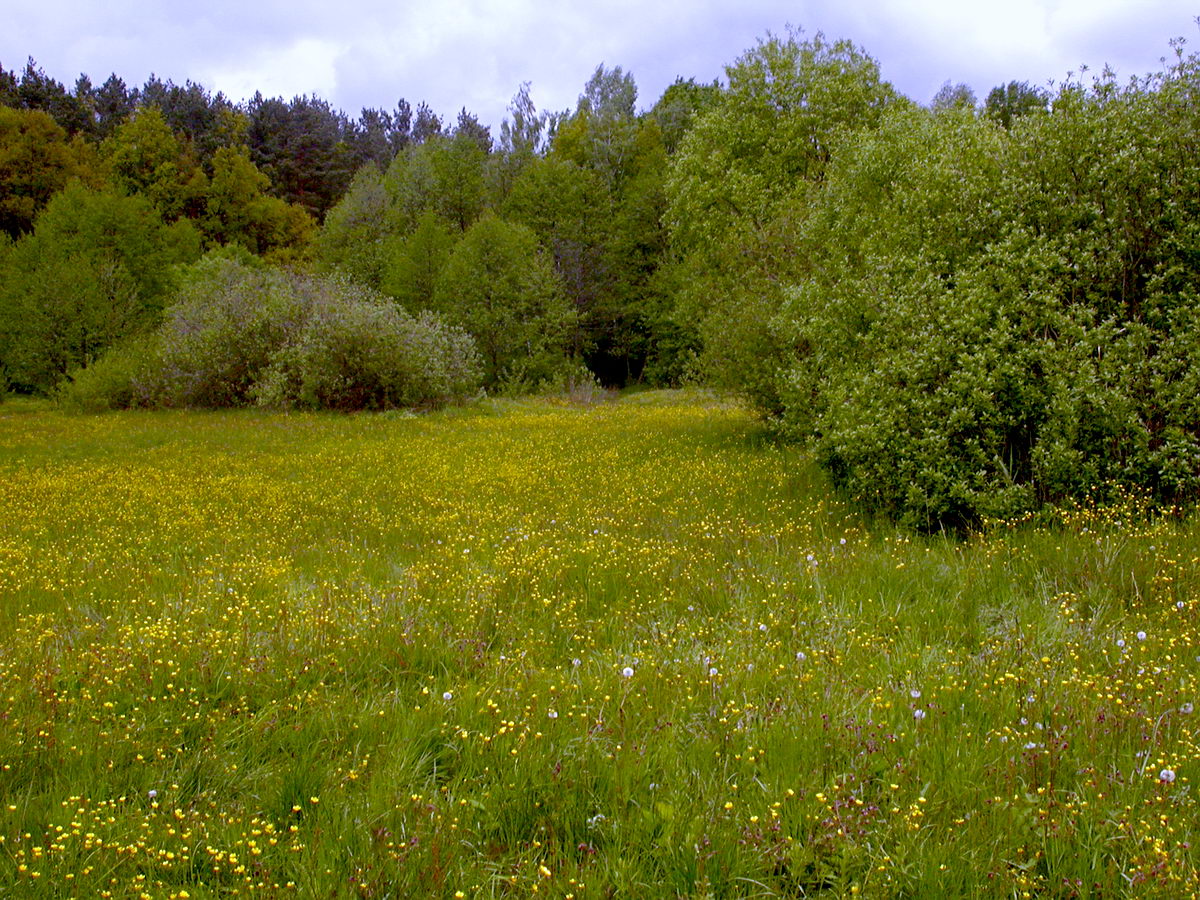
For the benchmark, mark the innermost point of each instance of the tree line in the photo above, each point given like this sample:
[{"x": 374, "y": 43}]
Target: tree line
[{"x": 966, "y": 309}]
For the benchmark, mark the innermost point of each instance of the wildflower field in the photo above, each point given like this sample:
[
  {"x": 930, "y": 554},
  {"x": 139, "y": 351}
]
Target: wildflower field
[{"x": 633, "y": 649}]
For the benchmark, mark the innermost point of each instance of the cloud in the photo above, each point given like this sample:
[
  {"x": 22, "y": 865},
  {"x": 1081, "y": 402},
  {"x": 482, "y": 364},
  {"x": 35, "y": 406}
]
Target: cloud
[{"x": 475, "y": 53}]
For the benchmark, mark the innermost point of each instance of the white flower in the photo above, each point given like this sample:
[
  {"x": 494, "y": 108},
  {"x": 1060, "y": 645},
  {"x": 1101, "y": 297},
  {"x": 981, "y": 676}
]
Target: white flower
[
  {"x": 1121, "y": 642},
  {"x": 1167, "y": 776},
  {"x": 1141, "y": 635},
  {"x": 577, "y": 662},
  {"x": 627, "y": 672},
  {"x": 800, "y": 657},
  {"x": 552, "y": 714},
  {"x": 712, "y": 673},
  {"x": 918, "y": 714},
  {"x": 1187, "y": 708},
  {"x": 152, "y": 793},
  {"x": 915, "y": 693},
  {"x": 762, "y": 627},
  {"x": 448, "y": 696},
  {"x": 1179, "y": 604}
]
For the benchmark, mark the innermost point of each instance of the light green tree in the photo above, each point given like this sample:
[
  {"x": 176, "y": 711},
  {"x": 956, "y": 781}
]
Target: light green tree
[
  {"x": 96, "y": 268},
  {"x": 415, "y": 263},
  {"x": 145, "y": 157},
  {"x": 499, "y": 287}
]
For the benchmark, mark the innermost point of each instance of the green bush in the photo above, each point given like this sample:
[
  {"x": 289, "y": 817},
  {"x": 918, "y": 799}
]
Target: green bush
[
  {"x": 990, "y": 319},
  {"x": 96, "y": 268},
  {"x": 115, "y": 381}
]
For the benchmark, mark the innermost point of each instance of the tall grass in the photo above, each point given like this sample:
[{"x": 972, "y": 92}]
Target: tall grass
[{"x": 633, "y": 649}]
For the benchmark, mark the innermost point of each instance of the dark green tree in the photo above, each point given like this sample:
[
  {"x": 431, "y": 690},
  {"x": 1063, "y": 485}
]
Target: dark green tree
[
  {"x": 36, "y": 161},
  {"x": 1006, "y": 103}
]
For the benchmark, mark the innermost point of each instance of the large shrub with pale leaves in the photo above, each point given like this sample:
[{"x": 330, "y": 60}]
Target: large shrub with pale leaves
[{"x": 241, "y": 333}]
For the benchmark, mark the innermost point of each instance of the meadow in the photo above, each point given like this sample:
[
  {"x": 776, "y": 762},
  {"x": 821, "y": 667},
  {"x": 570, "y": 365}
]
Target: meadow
[{"x": 631, "y": 649}]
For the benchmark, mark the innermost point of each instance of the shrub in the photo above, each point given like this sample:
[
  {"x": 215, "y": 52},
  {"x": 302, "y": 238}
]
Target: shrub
[
  {"x": 241, "y": 333},
  {"x": 993, "y": 319},
  {"x": 117, "y": 380},
  {"x": 369, "y": 355}
]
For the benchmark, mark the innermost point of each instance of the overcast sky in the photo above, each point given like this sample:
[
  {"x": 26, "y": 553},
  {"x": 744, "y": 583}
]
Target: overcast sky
[{"x": 475, "y": 53}]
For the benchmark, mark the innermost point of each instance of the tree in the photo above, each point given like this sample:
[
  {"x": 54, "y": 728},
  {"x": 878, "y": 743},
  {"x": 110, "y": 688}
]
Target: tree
[
  {"x": 1008, "y": 102},
  {"x": 304, "y": 147},
  {"x": 990, "y": 319},
  {"x": 379, "y": 135},
  {"x": 570, "y": 210},
  {"x": 37, "y": 90},
  {"x": 36, "y": 161},
  {"x": 426, "y": 125},
  {"x": 414, "y": 265},
  {"x": 469, "y": 128},
  {"x": 96, "y": 268},
  {"x": 358, "y": 231},
  {"x": 239, "y": 211},
  {"x": 144, "y": 156},
  {"x": 601, "y": 133},
  {"x": 113, "y": 103},
  {"x": 442, "y": 174},
  {"x": 953, "y": 96},
  {"x": 523, "y": 138},
  {"x": 770, "y": 135},
  {"x": 499, "y": 288},
  {"x": 741, "y": 180},
  {"x": 678, "y": 107}
]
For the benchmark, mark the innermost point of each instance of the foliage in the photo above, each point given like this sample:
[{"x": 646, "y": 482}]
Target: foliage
[
  {"x": 993, "y": 319},
  {"x": 116, "y": 380},
  {"x": 240, "y": 333},
  {"x": 770, "y": 134},
  {"x": 357, "y": 234},
  {"x": 1008, "y": 102},
  {"x": 743, "y": 176},
  {"x": 498, "y": 286},
  {"x": 304, "y": 148},
  {"x": 442, "y": 175},
  {"x": 36, "y": 161},
  {"x": 411, "y": 273},
  {"x": 144, "y": 156},
  {"x": 238, "y": 210},
  {"x": 96, "y": 267}
]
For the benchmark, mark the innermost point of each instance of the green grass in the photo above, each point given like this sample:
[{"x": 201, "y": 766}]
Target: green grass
[{"x": 386, "y": 656}]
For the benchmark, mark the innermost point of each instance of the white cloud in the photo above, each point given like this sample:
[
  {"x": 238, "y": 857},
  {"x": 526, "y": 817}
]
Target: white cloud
[{"x": 475, "y": 53}]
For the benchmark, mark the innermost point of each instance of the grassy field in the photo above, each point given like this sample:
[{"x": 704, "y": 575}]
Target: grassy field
[{"x": 630, "y": 650}]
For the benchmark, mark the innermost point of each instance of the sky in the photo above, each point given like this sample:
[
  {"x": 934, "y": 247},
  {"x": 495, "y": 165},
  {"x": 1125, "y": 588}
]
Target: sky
[{"x": 476, "y": 53}]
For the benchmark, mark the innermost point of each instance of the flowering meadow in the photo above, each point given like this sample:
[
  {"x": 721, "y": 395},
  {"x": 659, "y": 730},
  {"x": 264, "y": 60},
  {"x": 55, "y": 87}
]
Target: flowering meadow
[{"x": 632, "y": 649}]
